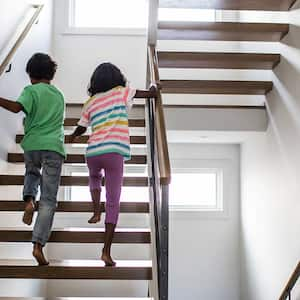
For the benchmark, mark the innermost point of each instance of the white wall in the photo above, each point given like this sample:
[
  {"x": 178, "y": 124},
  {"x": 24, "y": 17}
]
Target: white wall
[
  {"x": 79, "y": 55},
  {"x": 270, "y": 184},
  {"x": 204, "y": 248},
  {"x": 11, "y": 85}
]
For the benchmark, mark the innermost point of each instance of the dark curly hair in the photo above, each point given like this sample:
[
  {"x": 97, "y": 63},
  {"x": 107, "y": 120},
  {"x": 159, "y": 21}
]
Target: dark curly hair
[
  {"x": 106, "y": 77},
  {"x": 41, "y": 66}
]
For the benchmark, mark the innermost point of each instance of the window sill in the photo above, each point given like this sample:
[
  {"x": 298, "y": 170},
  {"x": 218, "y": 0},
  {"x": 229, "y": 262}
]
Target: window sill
[
  {"x": 105, "y": 31},
  {"x": 198, "y": 214}
]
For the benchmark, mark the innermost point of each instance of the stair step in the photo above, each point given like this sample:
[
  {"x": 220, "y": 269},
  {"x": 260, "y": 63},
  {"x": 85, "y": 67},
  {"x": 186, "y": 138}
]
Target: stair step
[
  {"x": 76, "y": 206},
  {"x": 135, "y": 140},
  {"x": 216, "y": 87},
  {"x": 131, "y": 122},
  {"x": 271, "y": 5},
  {"x": 217, "y": 60},
  {"x": 73, "y": 180},
  {"x": 222, "y": 31},
  {"x": 78, "y": 235},
  {"x": 78, "y": 158},
  {"x": 76, "y": 269}
]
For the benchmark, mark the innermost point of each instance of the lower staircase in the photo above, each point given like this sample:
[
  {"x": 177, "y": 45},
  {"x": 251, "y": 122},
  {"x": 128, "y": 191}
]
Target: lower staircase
[{"x": 90, "y": 268}]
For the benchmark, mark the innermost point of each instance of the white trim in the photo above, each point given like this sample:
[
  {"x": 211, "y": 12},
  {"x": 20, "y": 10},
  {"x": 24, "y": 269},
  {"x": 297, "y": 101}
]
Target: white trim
[
  {"x": 71, "y": 29},
  {"x": 105, "y": 31}
]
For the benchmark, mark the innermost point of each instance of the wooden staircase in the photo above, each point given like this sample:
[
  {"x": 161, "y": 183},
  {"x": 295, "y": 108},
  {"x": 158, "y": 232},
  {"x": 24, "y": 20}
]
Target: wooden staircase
[
  {"x": 219, "y": 32},
  {"x": 80, "y": 269}
]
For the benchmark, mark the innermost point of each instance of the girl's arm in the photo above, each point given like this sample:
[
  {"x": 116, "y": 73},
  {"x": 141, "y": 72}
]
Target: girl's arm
[
  {"x": 9, "y": 105},
  {"x": 151, "y": 93},
  {"x": 80, "y": 130}
]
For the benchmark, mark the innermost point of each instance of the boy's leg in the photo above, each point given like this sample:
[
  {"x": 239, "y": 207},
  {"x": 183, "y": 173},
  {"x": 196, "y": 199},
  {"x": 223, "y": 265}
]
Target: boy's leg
[
  {"x": 113, "y": 185},
  {"x": 95, "y": 177},
  {"x": 31, "y": 183},
  {"x": 51, "y": 172}
]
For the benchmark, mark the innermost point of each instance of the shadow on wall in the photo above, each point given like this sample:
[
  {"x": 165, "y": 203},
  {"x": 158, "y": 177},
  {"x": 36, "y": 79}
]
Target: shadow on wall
[{"x": 283, "y": 103}]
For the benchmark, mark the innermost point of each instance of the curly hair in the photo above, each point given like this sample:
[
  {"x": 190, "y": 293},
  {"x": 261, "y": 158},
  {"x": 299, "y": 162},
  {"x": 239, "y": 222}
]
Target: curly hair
[{"x": 41, "y": 66}]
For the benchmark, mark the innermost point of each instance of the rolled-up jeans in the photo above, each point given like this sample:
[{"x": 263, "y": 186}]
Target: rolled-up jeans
[{"x": 43, "y": 168}]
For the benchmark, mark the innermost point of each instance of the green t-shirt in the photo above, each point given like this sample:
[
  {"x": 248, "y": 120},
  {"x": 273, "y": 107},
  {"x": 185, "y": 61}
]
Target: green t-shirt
[{"x": 44, "y": 107}]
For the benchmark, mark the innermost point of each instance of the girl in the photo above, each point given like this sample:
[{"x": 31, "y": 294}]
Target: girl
[{"x": 107, "y": 113}]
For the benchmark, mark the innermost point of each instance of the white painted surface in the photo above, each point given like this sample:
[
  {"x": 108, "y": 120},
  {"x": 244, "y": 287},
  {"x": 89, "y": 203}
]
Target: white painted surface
[
  {"x": 270, "y": 184},
  {"x": 204, "y": 250}
]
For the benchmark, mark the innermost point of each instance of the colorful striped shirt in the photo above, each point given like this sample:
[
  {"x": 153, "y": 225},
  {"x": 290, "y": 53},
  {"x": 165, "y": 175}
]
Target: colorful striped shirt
[{"x": 107, "y": 114}]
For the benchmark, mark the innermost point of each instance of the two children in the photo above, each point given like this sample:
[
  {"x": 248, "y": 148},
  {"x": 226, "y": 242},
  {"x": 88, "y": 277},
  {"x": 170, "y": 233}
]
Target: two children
[{"x": 109, "y": 144}]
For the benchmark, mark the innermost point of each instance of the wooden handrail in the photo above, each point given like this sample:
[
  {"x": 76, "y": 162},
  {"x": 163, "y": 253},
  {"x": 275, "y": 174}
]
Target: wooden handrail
[
  {"x": 20, "y": 39},
  {"x": 291, "y": 283},
  {"x": 160, "y": 126}
]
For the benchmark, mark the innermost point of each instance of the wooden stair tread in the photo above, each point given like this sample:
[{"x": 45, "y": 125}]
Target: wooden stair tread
[
  {"x": 77, "y": 158},
  {"x": 78, "y": 235},
  {"x": 272, "y": 5},
  {"x": 216, "y": 87},
  {"x": 76, "y": 206},
  {"x": 73, "y": 180},
  {"x": 221, "y": 31},
  {"x": 217, "y": 60},
  {"x": 131, "y": 122},
  {"x": 137, "y": 140},
  {"x": 76, "y": 269}
]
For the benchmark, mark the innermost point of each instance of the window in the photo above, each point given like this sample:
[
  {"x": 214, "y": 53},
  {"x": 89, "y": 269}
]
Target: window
[
  {"x": 196, "y": 189},
  {"x": 187, "y": 14},
  {"x": 109, "y": 14}
]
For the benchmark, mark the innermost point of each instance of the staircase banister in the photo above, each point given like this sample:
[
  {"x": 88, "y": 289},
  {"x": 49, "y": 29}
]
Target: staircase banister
[
  {"x": 291, "y": 283},
  {"x": 160, "y": 126},
  {"x": 6, "y": 61}
]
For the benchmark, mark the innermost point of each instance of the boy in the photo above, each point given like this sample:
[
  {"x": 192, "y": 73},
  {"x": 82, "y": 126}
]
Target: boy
[{"x": 43, "y": 146}]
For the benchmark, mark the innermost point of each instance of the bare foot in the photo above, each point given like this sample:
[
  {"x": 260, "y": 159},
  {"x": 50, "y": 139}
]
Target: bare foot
[
  {"x": 28, "y": 212},
  {"x": 107, "y": 260},
  {"x": 39, "y": 255},
  {"x": 95, "y": 219}
]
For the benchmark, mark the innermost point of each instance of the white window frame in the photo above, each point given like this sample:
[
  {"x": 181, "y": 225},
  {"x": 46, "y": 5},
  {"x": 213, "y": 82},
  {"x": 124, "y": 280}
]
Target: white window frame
[
  {"x": 225, "y": 190},
  {"x": 200, "y": 207},
  {"x": 70, "y": 29}
]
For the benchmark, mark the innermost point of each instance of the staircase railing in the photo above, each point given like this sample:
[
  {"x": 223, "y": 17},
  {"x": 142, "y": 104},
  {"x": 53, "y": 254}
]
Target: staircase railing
[
  {"x": 286, "y": 294},
  {"x": 160, "y": 176},
  {"x": 6, "y": 58}
]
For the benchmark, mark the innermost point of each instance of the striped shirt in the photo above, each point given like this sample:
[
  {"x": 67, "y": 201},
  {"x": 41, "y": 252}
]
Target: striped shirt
[{"x": 107, "y": 114}]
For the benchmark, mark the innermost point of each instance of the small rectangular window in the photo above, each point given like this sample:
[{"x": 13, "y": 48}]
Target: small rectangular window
[{"x": 197, "y": 189}]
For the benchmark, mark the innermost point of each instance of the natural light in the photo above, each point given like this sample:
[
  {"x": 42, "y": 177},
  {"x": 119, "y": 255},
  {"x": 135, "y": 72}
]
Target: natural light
[
  {"x": 109, "y": 14},
  {"x": 201, "y": 190}
]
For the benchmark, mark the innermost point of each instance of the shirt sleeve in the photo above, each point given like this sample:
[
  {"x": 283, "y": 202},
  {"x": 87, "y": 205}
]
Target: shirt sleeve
[
  {"x": 85, "y": 117},
  {"x": 26, "y": 100},
  {"x": 129, "y": 94}
]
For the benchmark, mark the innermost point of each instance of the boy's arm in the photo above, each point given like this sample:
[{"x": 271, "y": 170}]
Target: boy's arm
[
  {"x": 80, "y": 130},
  {"x": 9, "y": 105}
]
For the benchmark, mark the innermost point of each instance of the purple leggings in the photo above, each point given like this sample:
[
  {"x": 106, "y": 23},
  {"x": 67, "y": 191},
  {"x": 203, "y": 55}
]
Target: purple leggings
[{"x": 112, "y": 164}]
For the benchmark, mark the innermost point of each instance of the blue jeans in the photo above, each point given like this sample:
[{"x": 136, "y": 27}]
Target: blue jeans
[{"x": 50, "y": 163}]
